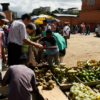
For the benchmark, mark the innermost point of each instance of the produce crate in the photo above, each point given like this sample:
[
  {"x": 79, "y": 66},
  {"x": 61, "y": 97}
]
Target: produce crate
[
  {"x": 66, "y": 85},
  {"x": 70, "y": 97},
  {"x": 92, "y": 83}
]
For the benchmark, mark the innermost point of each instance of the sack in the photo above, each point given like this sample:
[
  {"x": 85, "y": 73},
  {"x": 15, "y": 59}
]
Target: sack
[{"x": 32, "y": 57}]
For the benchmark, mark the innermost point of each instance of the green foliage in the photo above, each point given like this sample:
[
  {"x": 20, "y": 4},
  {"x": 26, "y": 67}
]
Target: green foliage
[{"x": 39, "y": 11}]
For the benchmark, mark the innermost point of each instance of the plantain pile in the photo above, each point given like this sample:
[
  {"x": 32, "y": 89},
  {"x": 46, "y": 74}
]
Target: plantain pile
[
  {"x": 60, "y": 72},
  {"x": 44, "y": 78}
]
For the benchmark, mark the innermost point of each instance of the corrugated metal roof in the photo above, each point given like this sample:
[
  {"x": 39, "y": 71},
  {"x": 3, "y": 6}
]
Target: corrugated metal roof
[{"x": 65, "y": 15}]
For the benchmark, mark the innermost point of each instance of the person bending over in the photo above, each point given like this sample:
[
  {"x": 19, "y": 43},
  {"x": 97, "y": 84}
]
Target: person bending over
[
  {"x": 22, "y": 80},
  {"x": 51, "y": 45}
]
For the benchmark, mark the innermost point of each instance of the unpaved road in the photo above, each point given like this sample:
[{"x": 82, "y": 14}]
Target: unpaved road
[{"x": 80, "y": 47}]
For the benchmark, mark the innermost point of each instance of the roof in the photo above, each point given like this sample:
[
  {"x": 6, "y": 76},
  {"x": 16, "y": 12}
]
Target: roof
[
  {"x": 65, "y": 15},
  {"x": 72, "y": 8},
  {"x": 5, "y": 3}
]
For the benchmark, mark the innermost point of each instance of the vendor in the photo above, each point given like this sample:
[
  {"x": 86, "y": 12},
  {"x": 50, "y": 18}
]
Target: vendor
[{"x": 17, "y": 36}]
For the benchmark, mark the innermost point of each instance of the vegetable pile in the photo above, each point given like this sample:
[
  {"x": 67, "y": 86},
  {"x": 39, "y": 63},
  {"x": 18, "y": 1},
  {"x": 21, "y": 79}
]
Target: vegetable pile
[
  {"x": 92, "y": 74},
  {"x": 82, "y": 92},
  {"x": 44, "y": 78},
  {"x": 62, "y": 73}
]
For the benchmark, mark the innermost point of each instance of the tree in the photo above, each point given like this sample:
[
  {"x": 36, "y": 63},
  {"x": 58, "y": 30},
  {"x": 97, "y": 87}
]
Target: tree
[
  {"x": 38, "y": 12},
  {"x": 55, "y": 11}
]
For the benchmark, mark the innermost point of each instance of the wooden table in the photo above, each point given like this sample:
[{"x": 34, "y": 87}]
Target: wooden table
[{"x": 55, "y": 94}]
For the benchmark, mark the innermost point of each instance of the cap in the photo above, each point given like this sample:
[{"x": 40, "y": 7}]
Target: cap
[
  {"x": 3, "y": 17},
  {"x": 66, "y": 23}
]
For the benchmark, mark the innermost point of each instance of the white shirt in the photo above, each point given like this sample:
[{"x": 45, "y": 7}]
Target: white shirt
[
  {"x": 47, "y": 27},
  {"x": 17, "y": 32},
  {"x": 67, "y": 29},
  {"x": 81, "y": 25}
]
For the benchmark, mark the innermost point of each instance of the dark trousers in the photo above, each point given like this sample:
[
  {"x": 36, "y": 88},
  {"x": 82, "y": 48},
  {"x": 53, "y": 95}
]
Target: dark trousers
[
  {"x": 87, "y": 32},
  {"x": 14, "y": 54}
]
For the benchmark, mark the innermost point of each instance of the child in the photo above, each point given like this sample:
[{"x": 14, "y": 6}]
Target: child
[
  {"x": 30, "y": 28},
  {"x": 53, "y": 51}
]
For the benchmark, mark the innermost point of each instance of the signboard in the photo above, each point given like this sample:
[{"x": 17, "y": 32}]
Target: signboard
[{"x": 90, "y": 2}]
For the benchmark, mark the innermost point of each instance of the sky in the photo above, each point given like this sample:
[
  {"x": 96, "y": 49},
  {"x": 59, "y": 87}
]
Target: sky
[{"x": 27, "y": 6}]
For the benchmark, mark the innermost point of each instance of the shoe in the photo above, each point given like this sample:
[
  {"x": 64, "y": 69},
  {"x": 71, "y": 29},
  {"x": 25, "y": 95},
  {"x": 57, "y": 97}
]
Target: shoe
[{"x": 3, "y": 96}]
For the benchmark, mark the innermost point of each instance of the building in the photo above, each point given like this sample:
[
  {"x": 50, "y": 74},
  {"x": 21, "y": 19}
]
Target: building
[
  {"x": 90, "y": 13},
  {"x": 69, "y": 11},
  {"x": 45, "y": 9},
  {"x": 11, "y": 15},
  {"x": 5, "y": 9}
]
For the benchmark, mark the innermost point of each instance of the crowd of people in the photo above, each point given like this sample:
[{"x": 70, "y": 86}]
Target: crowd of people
[{"x": 15, "y": 40}]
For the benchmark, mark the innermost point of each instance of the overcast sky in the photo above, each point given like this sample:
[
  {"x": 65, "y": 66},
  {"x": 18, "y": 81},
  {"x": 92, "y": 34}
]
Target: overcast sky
[{"x": 26, "y": 6}]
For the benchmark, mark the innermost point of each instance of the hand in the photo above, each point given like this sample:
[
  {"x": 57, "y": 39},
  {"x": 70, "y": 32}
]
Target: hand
[
  {"x": 38, "y": 46},
  {"x": 45, "y": 47},
  {"x": 41, "y": 46}
]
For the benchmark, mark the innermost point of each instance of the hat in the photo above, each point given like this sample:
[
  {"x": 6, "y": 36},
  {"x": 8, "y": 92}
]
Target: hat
[
  {"x": 3, "y": 17},
  {"x": 66, "y": 23}
]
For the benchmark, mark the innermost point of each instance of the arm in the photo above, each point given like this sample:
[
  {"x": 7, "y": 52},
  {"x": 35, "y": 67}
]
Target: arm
[
  {"x": 33, "y": 43},
  {"x": 66, "y": 33},
  {"x": 34, "y": 87},
  {"x": 53, "y": 47},
  {"x": 6, "y": 78},
  {"x": 5, "y": 82}
]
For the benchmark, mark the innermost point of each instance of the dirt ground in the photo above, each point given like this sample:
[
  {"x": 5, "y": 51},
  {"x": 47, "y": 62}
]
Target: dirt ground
[{"x": 80, "y": 47}]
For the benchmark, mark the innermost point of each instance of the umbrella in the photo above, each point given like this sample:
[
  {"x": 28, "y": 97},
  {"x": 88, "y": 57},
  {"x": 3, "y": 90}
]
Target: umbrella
[
  {"x": 39, "y": 19},
  {"x": 33, "y": 18}
]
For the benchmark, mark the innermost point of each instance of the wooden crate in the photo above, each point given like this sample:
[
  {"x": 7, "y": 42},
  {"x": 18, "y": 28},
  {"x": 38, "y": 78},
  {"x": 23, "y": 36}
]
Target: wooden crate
[
  {"x": 55, "y": 94},
  {"x": 89, "y": 83}
]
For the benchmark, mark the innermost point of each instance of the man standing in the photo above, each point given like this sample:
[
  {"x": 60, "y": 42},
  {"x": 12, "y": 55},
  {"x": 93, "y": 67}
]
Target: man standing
[
  {"x": 22, "y": 81},
  {"x": 16, "y": 37},
  {"x": 88, "y": 29},
  {"x": 2, "y": 55},
  {"x": 83, "y": 28},
  {"x": 66, "y": 31},
  {"x": 46, "y": 25}
]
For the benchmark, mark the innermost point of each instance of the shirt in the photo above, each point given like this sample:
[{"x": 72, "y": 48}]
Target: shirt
[
  {"x": 25, "y": 45},
  {"x": 83, "y": 26},
  {"x": 22, "y": 78},
  {"x": 67, "y": 29},
  {"x": 53, "y": 27},
  {"x": 17, "y": 32},
  {"x": 3, "y": 36},
  {"x": 47, "y": 27},
  {"x": 60, "y": 40},
  {"x": 50, "y": 42}
]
